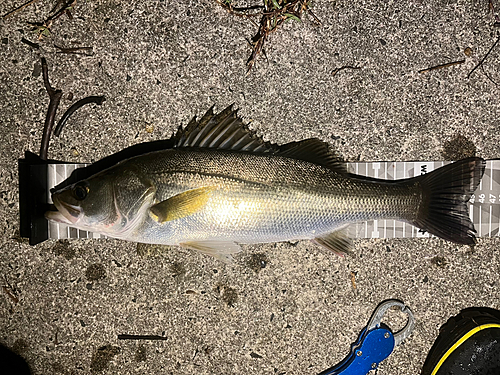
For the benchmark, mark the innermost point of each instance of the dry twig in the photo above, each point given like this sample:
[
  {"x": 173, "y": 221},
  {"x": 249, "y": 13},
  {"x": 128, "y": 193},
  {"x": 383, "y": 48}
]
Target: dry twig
[
  {"x": 30, "y": 43},
  {"x": 487, "y": 76},
  {"x": 141, "y": 337},
  {"x": 79, "y": 104},
  {"x": 87, "y": 51},
  {"x": 43, "y": 29},
  {"x": 273, "y": 14},
  {"x": 441, "y": 66},
  {"x": 484, "y": 58},
  {"x": 55, "y": 98},
  {"x": 18, "y": 9}
]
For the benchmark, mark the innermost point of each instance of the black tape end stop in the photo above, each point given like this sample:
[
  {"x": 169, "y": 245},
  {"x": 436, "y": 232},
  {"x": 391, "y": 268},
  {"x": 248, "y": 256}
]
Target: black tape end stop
[{"x": 33, "y": 198}]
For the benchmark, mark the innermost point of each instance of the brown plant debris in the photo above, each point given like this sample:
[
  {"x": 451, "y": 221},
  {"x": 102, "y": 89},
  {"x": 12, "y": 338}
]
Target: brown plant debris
[
  {"x": 55, "y": 98},
  {"x": 353, "y": 279},
  {"x": 441, "y": 66},
  {"x": 29, "y": 43},
  {"x": 18, "y": 9},
  {"x": 274, "y": 13},
  {"x": 43, "y": 29},
  {"x": 86, "y": 51},
  {"x": 141, "y": 337},
  {"x": 10, "y": 291},
  {"x": 494, "y": 14},
  {"x": 80, "y": 103},
  {"x": 484, "y": 58}
]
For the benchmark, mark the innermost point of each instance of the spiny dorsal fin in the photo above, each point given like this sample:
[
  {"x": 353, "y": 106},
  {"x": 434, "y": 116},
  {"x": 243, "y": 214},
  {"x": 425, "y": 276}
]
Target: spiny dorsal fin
[
  {"x": 224, "y": 131},
  {"x": 314, "y": 151}
]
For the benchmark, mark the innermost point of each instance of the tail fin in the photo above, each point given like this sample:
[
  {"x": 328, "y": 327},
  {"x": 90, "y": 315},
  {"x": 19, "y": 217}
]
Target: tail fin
[{"x": 446, "y": 192}]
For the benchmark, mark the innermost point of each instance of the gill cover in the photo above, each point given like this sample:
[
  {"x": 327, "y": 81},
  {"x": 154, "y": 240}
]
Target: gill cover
[{"x": 110, "y": 202}]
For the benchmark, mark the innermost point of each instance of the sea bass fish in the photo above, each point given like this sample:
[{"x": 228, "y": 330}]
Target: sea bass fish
[{"x": 221, "y": 185}]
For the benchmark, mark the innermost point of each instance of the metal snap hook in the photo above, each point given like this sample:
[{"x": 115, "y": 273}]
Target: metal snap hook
[{"x": 379, "y": 313}]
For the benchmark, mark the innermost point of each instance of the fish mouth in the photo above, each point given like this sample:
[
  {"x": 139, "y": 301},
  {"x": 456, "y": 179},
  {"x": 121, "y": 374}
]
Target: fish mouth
[{"x": 66, "y": 213}]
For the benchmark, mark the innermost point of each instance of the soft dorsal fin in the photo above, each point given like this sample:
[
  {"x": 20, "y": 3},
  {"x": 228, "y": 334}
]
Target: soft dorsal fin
[
  {"x": 226, "y": 131},
  {"x": 314, "y": 151}
]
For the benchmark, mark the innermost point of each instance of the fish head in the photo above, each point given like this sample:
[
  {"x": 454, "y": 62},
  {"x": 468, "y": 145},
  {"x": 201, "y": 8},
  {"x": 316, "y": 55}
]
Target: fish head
[{"x": 112, "y": 202}]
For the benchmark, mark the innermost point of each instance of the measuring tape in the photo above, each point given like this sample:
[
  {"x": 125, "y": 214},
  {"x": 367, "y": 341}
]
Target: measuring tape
[{"x": 484, "y": 205}]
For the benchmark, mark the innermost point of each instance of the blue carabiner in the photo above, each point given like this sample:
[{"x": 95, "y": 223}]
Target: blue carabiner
[{"x": 371, "y": 348}]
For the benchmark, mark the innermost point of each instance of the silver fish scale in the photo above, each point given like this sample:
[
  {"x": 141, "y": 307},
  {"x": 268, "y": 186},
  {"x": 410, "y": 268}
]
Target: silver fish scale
[{"x": 262, "y": 197}]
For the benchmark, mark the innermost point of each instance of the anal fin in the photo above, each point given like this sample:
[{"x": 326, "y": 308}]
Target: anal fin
[
  {"x": 337, "y": 241},
  {"x": 221, "y": 250}
]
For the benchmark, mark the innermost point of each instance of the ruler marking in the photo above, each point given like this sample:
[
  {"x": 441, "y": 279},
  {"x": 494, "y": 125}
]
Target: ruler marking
[
  {"x": 68, "y": 229},
  {"x": 491, "y": 176},
  {"x": 480, "y": 221},
  {"x": 489, "y": 232}
]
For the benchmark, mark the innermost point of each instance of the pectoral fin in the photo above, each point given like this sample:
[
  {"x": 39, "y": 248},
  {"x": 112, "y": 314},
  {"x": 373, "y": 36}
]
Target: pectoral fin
[
  {"x": 181, "y": 205},
  {"x": 221, "y": 250},
  {"x": 337, "y": 241}
]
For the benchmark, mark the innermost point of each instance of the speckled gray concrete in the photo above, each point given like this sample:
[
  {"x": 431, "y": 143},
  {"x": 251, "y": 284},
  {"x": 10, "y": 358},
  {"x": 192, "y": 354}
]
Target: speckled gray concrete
[{"x": 159, "y": 63}]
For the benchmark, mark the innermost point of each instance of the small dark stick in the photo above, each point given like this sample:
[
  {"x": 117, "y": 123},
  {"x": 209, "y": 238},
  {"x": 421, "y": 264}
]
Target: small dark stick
[
  {"x": 10, "y": 294},
  {"x": 90, "y": 99},
  {"x": 441, "y": 66},
  {"x": 55, "y": 98},
  {"x": 18, "y": 9},
  {"x": 484, "y": 58},
  {"x": 87, "y": 51},
  {"x": 29, "y": 43},
  {"x": 344, "y": 67},
  {"x": 65, "y": 9},
  {"x": 141, "y": 337}
]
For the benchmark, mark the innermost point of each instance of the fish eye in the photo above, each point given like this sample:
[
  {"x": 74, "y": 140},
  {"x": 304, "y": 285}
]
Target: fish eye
[{"x": 80, "y": 192}]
